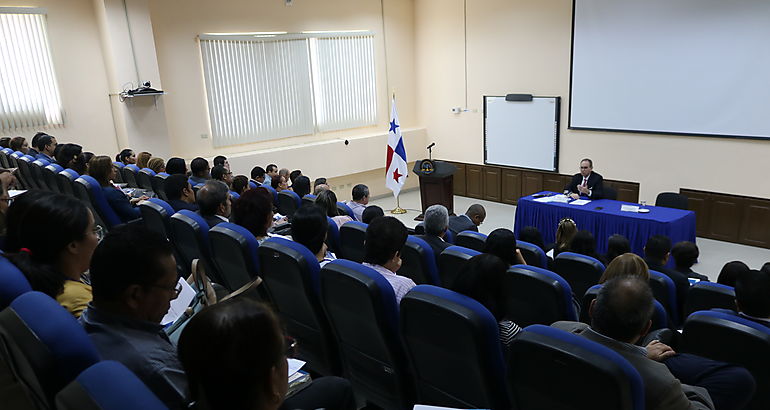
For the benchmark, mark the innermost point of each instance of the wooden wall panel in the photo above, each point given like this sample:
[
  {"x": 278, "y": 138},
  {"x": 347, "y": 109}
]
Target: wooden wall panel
[
  {"x": 553, "y": 182},
  {"x": 511, "y": 184},
  {"x": 531, "y": 183},
  {"x": 699, "y": 202},
  {"x": 492, "y": 184},
  {"x": 725, "y": 219},
  {"x": 474, "y": 187},
  {"x": 459, "y": 179},
  {"x": 755, "y": 228}
]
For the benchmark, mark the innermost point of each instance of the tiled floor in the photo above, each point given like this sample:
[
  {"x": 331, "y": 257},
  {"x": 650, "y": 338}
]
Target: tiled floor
[{"x": 714, "y": 254}]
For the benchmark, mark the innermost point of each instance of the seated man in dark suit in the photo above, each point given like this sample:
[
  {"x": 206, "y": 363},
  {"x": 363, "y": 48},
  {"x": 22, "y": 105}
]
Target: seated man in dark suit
[
  {"x": 200, "y": 171},
  {"x": 586, "y": 183},
  {"x": 620, "y": 317},
  {"x": 214, "y": 202},
  {"x": 46, "y": 145},
  {"x": 656, "y": 253},
  {"x": 180, "y": 193},
  {"x": 470, "y": 221},
  {"x": 752, "y": 291},
  {"x": 436, "y": 223},
  {"x": 258, "y": 175}
]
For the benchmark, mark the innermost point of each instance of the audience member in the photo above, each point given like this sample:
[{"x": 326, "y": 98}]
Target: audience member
[
  {"x": 656, "y": 253},
  {"x": 200, "y": 171},
  {"x": 258, "y": 175},
  {"x": 469, "y": 221},
  {"x": 371, "y": 212},
  {"x": 752, "y": 288},
  {"x": 157, "y": 165},
  {"x": 532, "y": 235},
  {"x": 46, "y": 145},
  {"x": 309, "y": 227},
  {"x": 254, "y": 211},
  {"x": 502, "y": 243},
  {"x": 730, "y": 272},
  {"x": 54, "y": 237},
  {"x": 70, "y": 156},
  {"x": 685, "y": 255},
  {"x": 327, "y": 200},
  {"x": 620, "y": 317},
  {"x": 627, "y": 264},
  {"x": 176, "y": 165},
  {"x": 617, "y": 245},
  {"x": 565, "y": 231},
  {"x": 134, "y": 279},
  {"x": 360, "y": 200},
  {"x": 766, "y": 268},
  {"x": 214, "y": 203},
  {"x": 5, "y": 142},
  {"x": 584, "y": 243},
  {"x": 481, "y": 278},
  {"x": 284, "y": 172},
  {"x": 5, "y": 200},
  {"x": 301, "y": 186},
  {"x": 57, "y": 150},
  {"x": 103, "y": 171},
  {"x": 271, "y": 171},
  {"x": 384, "y": 239},
  {"x": 320, "y": 188},
  {"x": 142, "y": 159},
  {"x": 179, "y": 193},
  {"x": 319, "y": 181},
  {"x": 221, "y": 161},
  {"x": 293, "y": 176},
  {"x": 220, "y": 173},
  {"x": 240, "y": 184},
  {"x": 279, "y": 183},
  {"x": 436, "y": 223},
  {"x": 127, "y": 157},
  {"x": 249, "y": 342},
  {"x": 33, "y": 145},
  {"x": 20, "y": 144},
  {"x": 87, "y": 157}
]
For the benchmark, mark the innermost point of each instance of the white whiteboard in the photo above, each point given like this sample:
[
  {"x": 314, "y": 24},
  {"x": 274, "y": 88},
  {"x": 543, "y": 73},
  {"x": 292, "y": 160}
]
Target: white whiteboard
[{"x": 522, "y": 133}]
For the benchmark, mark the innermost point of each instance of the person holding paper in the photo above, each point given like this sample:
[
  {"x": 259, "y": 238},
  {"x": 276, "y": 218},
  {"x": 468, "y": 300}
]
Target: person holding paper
[{"x": 585, "y": 183}]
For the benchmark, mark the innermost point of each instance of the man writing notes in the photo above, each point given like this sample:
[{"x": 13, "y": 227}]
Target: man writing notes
[{"x": 586, "y": 183}]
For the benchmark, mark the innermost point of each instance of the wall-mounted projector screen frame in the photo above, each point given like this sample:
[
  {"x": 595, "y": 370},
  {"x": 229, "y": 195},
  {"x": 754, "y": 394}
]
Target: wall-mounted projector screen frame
[
  {"x": 688, "y": 67},
  {"x": 522, "y": 134}
]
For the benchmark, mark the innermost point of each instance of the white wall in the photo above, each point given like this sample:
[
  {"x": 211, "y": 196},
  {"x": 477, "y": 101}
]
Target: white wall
[{"x": 524, "y": 46}]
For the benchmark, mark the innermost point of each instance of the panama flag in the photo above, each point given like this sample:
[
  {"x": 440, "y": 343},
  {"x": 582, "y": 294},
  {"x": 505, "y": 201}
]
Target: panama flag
[{"x": 395, "y": 166}]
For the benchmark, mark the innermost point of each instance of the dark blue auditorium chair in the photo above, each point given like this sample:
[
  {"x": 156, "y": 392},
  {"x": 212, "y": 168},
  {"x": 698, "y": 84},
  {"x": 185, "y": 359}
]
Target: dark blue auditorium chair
[
  {"x": 49, "y": 174},
  {"x": 472, "y": 240},
  {"x": 98, "y": 200},
  {"x": 25, "y": 174},
  {"x": 308, "y": 199},
  {"x": 537, "y": 296},
  {"x": 13, "y": 283},
  {"x": 14, "y": 158},
  {"x": 725, "y": 336},
  {"x": 128, "y": 173},
  {"x": 344, "y": 209},
  {"x": 234, "y": 251},
  {"x": 290, "y": 274},
  {"x": 418, "y": 262},
  {"x": 156, "y": 214},
  {"x": 66, "y": 179},
  {"x": 36, "y": 169},
  {"x": 272, "y": 191},
  {"x": 107, "y": 385},
  {"x": 709, "y": 295},
  {"x": 190, "y": 236},
  {"x": 362, "y": 310},
  {"x": 43, "y": 346},
  {"x": 580, "y": 271},
  {"x": 288, "y": 202},
  {"x": 158, "y": 185},
  {"x": 452, "y": 343},
  {"x": 553, "y": 369},
  {"x": 252, "y": 184},
  {"x": 451, "y": 261},
  {"x": 144, "y": 178},
  {"x": 533, "y": 255},
  {"x": 333, "y": 237},
  {"x": 118, "y": 172},
  {"x": 81, "y": 191},
  {"x": 352, "y": 237},
  {"x": 664, "y": 290},
  {"x": 4, "y": 157},
  {"x": 660, "y": 319}
]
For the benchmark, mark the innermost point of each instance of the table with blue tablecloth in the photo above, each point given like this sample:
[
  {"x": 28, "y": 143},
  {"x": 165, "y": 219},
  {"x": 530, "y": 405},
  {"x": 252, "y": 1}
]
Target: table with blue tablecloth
[{"x": 604, "y": 218}]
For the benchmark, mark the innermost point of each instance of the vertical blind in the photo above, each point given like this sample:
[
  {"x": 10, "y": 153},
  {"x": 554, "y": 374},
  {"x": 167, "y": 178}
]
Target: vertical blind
[
  {"x": 259, "y": 89},
  {"x": 29, "y": 95}
]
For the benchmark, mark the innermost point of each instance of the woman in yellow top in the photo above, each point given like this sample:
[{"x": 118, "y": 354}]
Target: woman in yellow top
[{"x": 51, "y": 238}]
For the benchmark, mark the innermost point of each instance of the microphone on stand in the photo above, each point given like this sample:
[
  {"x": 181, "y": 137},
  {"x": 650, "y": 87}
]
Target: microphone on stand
[{"x": 430, "y": 152}]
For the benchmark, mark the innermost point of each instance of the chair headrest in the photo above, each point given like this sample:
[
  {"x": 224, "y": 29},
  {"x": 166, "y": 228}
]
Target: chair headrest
[
  {"x": 581, "y": 258},
  {"x": 427, "y": 256},
  {"x": 720, "y": 314},
  {"x": 195, "y": 221},
  {"x": 163, "y": 204},
  {"x": 70, "y": 173},
  {"x": 251, "y": 242},
  {"x": 147, "y": 171},
  {"x": 98, "y": 199},
  {"x": 354, "y": 225},
  {"x": 455, "y": 249},
  {"x": 118, "y": 164},
  {"x": 56, "y": 168},
  {"x": 293, "y": 195},
  {"x": 545, "y": 274},
  {"x": 311, "y": 263},
  {"x": 112, "y": 386},
  {"x": 12, "y": 282}
]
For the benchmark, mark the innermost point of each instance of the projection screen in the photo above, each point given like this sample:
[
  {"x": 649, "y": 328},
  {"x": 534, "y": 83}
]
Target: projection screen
[{"x": 697, "y": 67}]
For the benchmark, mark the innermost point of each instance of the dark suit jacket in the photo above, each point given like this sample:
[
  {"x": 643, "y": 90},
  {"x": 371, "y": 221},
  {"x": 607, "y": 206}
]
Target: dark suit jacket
[
  {"x": 212, "y": 220},
  {"x": 120, "y": 204},
  {"x": 595, "y": 184},
  {"x": 437, "y": 244},
  {"x": 178, "y": 205},
  {"x": 459, "y": 223},
  {"x": 680, "y": 280}
]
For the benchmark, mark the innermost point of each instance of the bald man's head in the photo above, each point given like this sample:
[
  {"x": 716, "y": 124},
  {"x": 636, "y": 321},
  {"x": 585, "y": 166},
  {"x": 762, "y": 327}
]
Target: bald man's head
[
  {"x": 477, "y": 213},
  {"x": 623, "y": 309}
]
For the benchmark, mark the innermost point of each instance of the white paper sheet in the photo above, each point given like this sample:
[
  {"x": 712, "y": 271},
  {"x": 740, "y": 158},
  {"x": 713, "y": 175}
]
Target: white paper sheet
[
  {"x": 294, "y": 366},
  {"x": 15, "y": 192},
  {"x": 180, "y": 304},
  {"x": 580, "y": 202},
  {"x": 629, "y": 208}
]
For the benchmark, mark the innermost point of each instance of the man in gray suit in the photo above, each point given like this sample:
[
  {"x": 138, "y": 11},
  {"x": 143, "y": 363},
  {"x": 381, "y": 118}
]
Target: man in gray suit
[
  {"x": 470, "y": 221},
  {"x": 620, "y": 316},
  {"x": 436, "y": 222}
]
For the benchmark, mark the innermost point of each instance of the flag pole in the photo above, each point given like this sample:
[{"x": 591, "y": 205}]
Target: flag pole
[{"x": 398, "y": 210}]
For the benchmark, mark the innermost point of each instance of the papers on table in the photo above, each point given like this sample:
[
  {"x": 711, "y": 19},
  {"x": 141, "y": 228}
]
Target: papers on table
[
  {"x": 553, "y": 198},
  {"x": 294, "y": 366},
  {"x": 629, "y": 208},
  {"x": 180, "y": 304},
  {"x": 12, "y": 193},
  {"x": 580, "y": 202}
]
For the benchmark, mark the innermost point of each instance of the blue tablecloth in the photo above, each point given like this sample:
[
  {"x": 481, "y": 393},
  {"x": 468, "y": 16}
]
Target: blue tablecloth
[{"x": 677, "y": 224}]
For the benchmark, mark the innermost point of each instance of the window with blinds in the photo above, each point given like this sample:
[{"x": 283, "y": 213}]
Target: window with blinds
[
  {"x": 287, "y": 85},
  {"x": 29, "y": 94}
]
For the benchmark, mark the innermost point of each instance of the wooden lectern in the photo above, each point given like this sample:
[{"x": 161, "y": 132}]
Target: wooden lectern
[{"x": 436, "y": 186}]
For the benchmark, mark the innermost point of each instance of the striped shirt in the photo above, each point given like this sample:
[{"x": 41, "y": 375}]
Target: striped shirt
[
  {"x": 401, "y": 284},
  {"x": 508, "y": 330}
]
